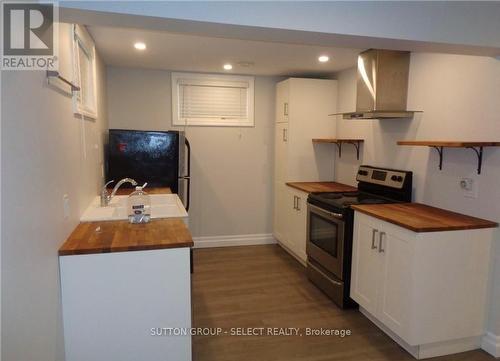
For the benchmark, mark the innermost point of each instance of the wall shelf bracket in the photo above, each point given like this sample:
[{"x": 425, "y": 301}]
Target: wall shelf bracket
[
  {"x": 339, "y": 146},
  {"x": 339, "y": 141},
  {"x": 356, "y": 145},
  {"x": 440, "y": 151},
  {"x": 476, "y": 146},
  {"x": 479, "y": 153}
]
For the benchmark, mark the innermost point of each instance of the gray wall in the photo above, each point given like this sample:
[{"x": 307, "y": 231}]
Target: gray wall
[
  {"x": 459, "y": 97},
  {"x": 42, "y": 159},
  {"x": 231, "y": 167}
]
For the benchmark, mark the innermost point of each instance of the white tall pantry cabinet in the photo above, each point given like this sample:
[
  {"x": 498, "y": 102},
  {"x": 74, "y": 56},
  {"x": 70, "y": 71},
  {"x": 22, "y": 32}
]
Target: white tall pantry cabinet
[{"x": 302, "y": 109}]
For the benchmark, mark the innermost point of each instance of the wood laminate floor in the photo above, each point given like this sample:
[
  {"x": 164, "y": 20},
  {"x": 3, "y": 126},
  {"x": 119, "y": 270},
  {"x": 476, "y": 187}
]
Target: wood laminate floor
[{"x": 262, "y": 286}]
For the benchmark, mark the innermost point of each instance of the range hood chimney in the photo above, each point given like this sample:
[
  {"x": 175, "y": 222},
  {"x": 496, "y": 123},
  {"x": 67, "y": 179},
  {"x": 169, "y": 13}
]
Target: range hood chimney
[{"x": 382, "y": 85}]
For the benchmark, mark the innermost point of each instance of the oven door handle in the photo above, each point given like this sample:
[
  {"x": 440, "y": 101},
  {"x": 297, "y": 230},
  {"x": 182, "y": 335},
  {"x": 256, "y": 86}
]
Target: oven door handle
[
  {"x": 337, "y": 283},
  {"x": 323, "y": 212}
]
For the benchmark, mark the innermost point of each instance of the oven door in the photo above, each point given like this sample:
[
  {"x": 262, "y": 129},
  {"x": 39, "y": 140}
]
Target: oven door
[{"x": 325, "y": 239}]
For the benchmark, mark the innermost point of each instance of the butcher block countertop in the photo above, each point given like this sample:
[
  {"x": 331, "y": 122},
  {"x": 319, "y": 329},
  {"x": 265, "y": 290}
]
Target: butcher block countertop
[
  {"x": 322, "y": 187},
  {"x": 423, "y": 218},
  {"x": 122, "y": 236}
]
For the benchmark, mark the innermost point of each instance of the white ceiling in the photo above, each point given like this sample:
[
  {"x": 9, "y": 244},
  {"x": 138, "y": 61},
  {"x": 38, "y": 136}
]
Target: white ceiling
[{"x": 182, "y": 52}]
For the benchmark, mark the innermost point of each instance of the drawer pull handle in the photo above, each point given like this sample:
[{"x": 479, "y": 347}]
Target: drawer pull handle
[
  {"x": 380, "y": 249},
  {"x": 374, "y": 234}
]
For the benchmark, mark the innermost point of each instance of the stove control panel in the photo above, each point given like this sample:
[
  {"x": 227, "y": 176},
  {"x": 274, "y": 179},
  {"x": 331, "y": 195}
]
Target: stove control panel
[{"x": 386, "y": 177}]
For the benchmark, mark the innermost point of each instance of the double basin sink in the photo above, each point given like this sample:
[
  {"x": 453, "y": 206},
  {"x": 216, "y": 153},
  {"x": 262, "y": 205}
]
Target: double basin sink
[{"x": 162, "y": 206}]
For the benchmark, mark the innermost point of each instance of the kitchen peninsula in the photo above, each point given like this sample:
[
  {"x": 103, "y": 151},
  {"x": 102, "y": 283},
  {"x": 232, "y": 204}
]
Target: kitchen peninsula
[{"x": 119, "y": 281}]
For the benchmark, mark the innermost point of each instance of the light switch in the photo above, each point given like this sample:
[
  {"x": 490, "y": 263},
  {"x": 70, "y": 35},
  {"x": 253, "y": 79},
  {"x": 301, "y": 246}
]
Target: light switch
[{"x": 66, "y": 206}]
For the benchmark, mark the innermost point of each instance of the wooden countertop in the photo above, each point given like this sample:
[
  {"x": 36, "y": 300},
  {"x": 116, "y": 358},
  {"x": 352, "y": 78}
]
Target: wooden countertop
[
  {"x": 423, "y": 218},
  {"x": 121, "y": 236},
  {"x": 322, "y": 187},
  {"x": 126, "y": 191}
]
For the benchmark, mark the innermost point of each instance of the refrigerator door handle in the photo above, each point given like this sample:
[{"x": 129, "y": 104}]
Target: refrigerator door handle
[{"x": 187, "y": 177}]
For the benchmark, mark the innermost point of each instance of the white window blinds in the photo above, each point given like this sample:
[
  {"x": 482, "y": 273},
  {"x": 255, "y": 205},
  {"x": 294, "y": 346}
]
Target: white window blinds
[{"x": 217, "y": 100}]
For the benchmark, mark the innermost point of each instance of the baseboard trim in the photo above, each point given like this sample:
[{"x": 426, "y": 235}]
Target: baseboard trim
[
  {"x": 234, "y": 240},
  {"x": 491, "y": 344}
]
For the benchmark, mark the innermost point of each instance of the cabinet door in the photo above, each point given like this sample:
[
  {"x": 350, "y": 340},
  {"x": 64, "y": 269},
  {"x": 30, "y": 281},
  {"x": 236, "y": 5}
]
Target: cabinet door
[
  {"x": 298, "y": 223},
  {"x": 282, "y": 101},
  {"x": 280, "y": 212},
  {"x": 280, "y": 152},
  {"x": 311, "y": 100},
  {"x": 366, "y": 264},
  {"x": 396, "y": 281}
]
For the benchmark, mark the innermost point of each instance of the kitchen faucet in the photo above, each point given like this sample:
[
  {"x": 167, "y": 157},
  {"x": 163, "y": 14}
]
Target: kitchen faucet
[{"x": 106, "y": 197}]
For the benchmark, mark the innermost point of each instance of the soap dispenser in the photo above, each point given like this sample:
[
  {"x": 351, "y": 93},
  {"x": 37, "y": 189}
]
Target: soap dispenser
[{"x": 139, "y": 206}]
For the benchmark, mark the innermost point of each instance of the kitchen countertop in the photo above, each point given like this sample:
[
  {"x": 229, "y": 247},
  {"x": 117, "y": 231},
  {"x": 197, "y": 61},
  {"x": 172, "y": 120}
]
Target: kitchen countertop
[
  {"x": 322, "y": 187},
  {"x": 122, "y": 236},
  {"x": 423, "y": 218}
]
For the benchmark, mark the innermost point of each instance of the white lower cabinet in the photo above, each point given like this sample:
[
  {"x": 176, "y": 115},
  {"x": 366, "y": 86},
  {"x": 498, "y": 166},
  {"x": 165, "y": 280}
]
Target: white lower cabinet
[
  {"x": 116, "y": 306},
  {"x": 428, "y": 291},
  {"x": 297, "y": 223},
  {"x": 290, "y": 220}
]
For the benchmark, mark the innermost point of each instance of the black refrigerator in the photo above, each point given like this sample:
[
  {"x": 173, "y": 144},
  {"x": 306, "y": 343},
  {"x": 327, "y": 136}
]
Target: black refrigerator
[{"x": 162, "y": 159}]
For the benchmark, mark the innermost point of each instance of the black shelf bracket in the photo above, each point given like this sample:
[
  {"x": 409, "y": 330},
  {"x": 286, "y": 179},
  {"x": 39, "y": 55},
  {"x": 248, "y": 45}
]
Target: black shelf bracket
[
  {"x": 440, "y": 151},
  {"x": 339, "y": 146},
  {"x": 355, "y": 143},
  {"x": 477, "y": 150},
  {"x": 479, "y": 153}
]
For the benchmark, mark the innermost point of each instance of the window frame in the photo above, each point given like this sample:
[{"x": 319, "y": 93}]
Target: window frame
[
  {"x": 212, "y": 122},
  {"x": 82, "y": 41}
]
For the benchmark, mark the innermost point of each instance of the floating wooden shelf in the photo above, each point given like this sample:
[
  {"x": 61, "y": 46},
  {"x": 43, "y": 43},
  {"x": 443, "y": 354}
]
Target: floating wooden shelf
[
  {"x": 477, "y": 147},
  {"x": 448, "y": 144},
  {"x": 339, "y": 142}
]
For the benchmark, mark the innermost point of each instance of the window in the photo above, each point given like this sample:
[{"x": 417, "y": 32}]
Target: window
[
  {"x": 212, "y": 100},
  {"x": 84, "y": 70}
]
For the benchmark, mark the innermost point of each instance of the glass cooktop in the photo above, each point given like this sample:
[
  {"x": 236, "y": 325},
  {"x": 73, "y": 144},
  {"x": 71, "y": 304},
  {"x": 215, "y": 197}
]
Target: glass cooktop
[{"x": 344, "y": 200}]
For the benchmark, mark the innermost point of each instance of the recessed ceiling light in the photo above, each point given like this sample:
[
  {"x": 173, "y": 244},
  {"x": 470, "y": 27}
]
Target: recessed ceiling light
[
  {"x": 140, "y": 46},
  {"x": 323, "y": 58},
  {"x": 228, "y": 66}
]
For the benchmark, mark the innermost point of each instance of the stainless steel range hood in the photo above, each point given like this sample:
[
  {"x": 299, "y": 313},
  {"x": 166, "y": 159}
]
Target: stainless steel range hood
[{"x": 382, "y": 85}]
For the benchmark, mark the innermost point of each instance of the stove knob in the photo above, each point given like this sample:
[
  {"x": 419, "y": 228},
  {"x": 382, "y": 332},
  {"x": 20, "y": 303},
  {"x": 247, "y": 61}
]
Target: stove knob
[
  {"x": 397, "y": 178},
  {"x": 363, "y": 172}
]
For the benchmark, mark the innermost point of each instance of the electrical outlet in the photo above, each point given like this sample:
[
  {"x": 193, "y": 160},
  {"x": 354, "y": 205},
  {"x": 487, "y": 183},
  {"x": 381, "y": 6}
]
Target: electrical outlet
[
  {"x": 469, "y": 187},
  {"x": 66, "y": 206}
]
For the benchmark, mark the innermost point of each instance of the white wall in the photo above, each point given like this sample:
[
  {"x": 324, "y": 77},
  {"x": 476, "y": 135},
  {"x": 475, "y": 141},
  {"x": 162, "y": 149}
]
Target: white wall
[
  {"x": 42, "y": 159},
  {"x": 231, "y": 167},
  {"x": 459, "y": 97}
]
